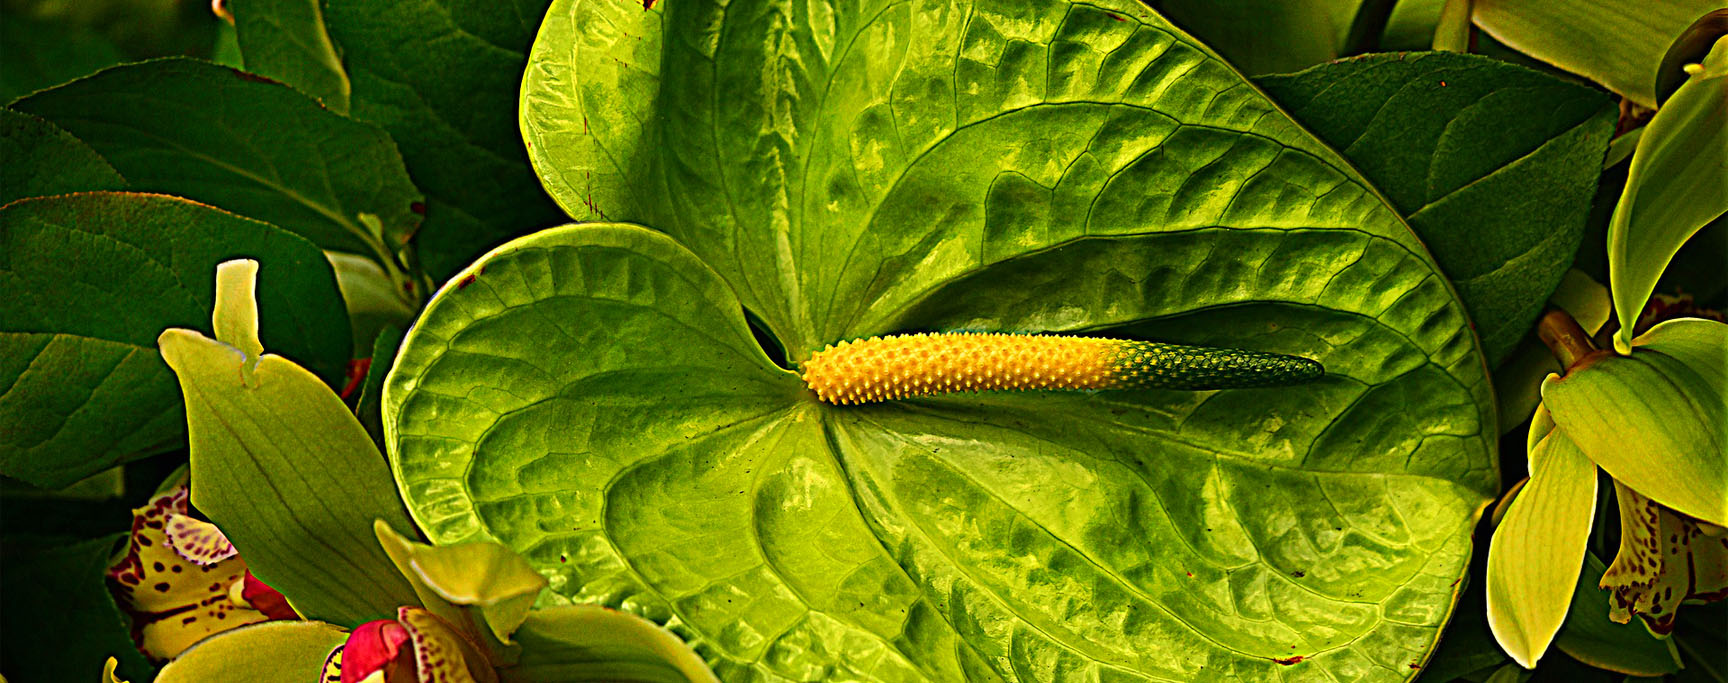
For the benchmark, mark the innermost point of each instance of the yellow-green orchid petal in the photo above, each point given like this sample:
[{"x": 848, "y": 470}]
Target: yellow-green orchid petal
[
  {"x": 1664, "y": 558},
  {"x": 1538, "y": 549},
  {"x": 484, "y": 589},
  {"x": 1656, "y": 420}
]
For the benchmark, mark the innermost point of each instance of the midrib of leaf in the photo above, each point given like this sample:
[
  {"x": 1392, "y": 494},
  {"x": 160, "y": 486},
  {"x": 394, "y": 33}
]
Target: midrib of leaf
[{"x": 1520, "y": 161}]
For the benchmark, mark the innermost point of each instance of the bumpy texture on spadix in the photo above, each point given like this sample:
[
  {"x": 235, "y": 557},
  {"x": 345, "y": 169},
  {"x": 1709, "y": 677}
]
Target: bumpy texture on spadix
[{"x": 905, "y": 366}]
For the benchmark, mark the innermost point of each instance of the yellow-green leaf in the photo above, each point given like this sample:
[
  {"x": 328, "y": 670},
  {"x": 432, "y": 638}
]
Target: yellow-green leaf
[
  {"x": 1655, "y": 419},
  {"x": 1677, "y": 184},
  {"x": 1534, "y": 559},
  {"x": 1618, "y": 43}
]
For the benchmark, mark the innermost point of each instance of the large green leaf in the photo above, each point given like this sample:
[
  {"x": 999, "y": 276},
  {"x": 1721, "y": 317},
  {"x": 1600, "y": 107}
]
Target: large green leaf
[
  {"x": 243, "y": 143},
  {"x": 1678, "y": 183},
  {"x": 97, "y": 277},
  {"x": 443, "y": 76},
  {"x": 594, "y": 397},
  {"x": 1618, "y": 43},
  {"x": 43, "y": 160},
  {"x": 286, "y": 40},
  {"x": 282, "y": 467},
  {"x": 1590, "y": 637},
  {"x": 1503, "y": 207}
]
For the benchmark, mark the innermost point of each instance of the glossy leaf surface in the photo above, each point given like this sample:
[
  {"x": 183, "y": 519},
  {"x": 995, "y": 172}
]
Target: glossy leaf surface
[
  {"x": 594, "y": 398},
  {"x": 1503, "y": 208},
  {"x": 442, "y": 76},
  {"x": 243, "y": 143},
  {"x": 84, "y": 388},
  {"x": 43, "y": 160}
]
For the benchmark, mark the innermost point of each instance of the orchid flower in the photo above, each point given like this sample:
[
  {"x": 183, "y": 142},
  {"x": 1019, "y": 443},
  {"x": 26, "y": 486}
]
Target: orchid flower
[
  {"x": 1654, "y": 420},
  {"x": 452, "y": 614}
]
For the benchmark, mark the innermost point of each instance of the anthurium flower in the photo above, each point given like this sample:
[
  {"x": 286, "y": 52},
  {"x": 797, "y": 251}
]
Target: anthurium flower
[
  {"x": 1654, "y": 421},
  {"x": 181, "y": 582}
]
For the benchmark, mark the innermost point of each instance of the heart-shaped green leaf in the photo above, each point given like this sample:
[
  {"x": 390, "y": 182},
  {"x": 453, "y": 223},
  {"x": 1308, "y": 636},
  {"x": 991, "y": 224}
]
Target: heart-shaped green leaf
[
  {"x": 443, "y": 76},
  {"x": 594, "y": 397},
  {"x": 1678, "y": 183},
  {"x": 1656, "y": 420},
  {"x": 105, "y": 272},
  {"x": 244, "y": 143},
  {"x": 43, "y": 160},
  {"x": 1502, "y": 211}
]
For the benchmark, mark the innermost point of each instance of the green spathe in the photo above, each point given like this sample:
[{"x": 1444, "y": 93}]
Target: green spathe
[
  {"x": 1655, "y": 420},
  {"x": 594, "y": 398}
]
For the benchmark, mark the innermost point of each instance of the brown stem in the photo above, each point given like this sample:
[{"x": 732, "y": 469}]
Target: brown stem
[{"x": 1569, "y": 342}]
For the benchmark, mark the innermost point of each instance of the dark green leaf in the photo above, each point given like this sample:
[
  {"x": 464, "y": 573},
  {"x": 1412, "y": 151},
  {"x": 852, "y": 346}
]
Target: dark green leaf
[
  {"x": 36, "y": 54},
  {"x": 372, "y": 389},
  {"x": 99, "y": 275},
  {"x": 286, "y": 40},
  {"x": 60, "y": 620},
  {"x": 43, "y": 160},
  {"x": 1590, "y": 637},
  {"x": 1266, "y": 36},
  {"x": 1494, "y": 166},
  {"x": 243, "y": 143},
  {"x": 443, "y": 77}
]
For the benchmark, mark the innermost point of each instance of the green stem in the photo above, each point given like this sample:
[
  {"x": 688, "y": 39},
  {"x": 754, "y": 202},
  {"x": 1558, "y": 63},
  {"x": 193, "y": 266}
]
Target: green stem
[{"x": 1569, "y": 342}]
